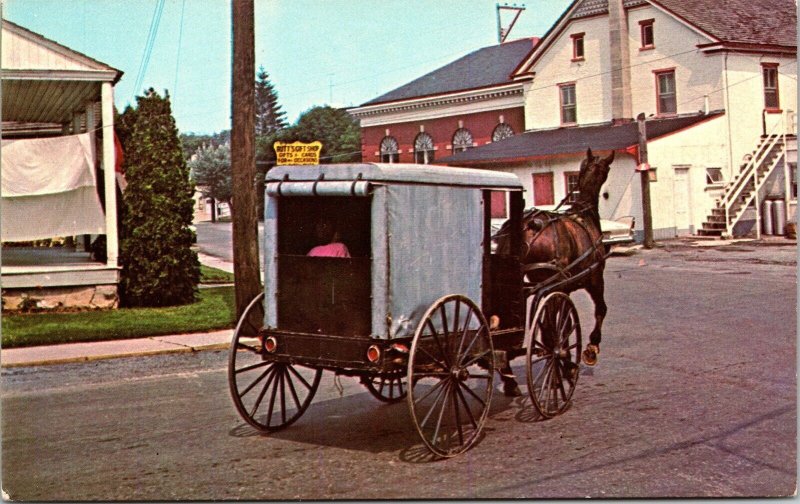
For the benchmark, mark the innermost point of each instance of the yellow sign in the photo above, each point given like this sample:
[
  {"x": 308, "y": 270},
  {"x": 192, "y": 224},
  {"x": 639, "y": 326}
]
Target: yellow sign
[{"x": 298, "y": 153}]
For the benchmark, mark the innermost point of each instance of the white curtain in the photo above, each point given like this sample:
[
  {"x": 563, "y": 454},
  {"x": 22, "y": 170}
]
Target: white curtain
[{"x": 49, "y": 188}]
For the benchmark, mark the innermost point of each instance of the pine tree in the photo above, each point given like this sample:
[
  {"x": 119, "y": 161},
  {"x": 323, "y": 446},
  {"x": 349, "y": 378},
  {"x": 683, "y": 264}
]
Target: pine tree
[
  {"x": 159, "y": 268},
  {"x": 269, "y": 116}
]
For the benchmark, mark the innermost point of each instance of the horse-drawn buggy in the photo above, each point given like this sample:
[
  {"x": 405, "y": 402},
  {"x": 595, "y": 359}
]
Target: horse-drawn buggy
[{"x": 387, "y": 273}]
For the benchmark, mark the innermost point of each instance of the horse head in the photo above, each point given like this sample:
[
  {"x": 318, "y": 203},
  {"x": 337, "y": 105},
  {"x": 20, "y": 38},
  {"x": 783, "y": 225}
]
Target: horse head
[{"x": 592, "y": 176}]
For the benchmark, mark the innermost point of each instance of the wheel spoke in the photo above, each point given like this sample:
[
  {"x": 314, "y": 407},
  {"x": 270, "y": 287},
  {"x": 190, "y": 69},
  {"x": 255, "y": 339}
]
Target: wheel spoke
[
  {"x": 272, "y": 401},
  {"x": 476, "y": 396},
  {"x": 435, "y": 336},
  {"x": 544, "y": 369},
  {"x": 255, "y": 382},
  {"x": 466, "y": 330},
  {"x": 437, "y": 361},
  {"x": 480, "y": 376},
  {"x": 433, "y": 406},
  {"x": 429, "y": 392},
  {"x": 293, "y": 391},
  {"x": 299, "y": 377},
  {"x": 284, "y": 373},
  {"x": 476, "y": 359},
  {"x": 441, "y": 412},
  {"x": 477, "y": 334},
  {"x": 458, "y": 417},
  {"x": 261, "y": 395},
  {"x": 254, "y": 366},
  {"x": 466, "y": 404}
]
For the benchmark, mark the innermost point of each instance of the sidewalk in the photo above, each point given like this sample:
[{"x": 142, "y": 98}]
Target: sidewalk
[{"x": 85, "y": 352}]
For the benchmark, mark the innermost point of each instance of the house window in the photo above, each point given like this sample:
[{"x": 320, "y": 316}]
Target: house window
[
  {"x": 462, "y": 140},
  {"x": 390, "y": 151},
  {"x": 423, "y": 149},
  {"x": 571, "y": 184},
  {"x": 577, "y": 47},
  {"x": 501, "y": 132},
  {"x": 771, "y": 100},
  {"x": 793, "y": 181},
  {"x": 569, "y": 108},
  {"x": 714, "y": 176},
  {"x": 665, "y": 92},
  {"x": 646, "y": 30}
]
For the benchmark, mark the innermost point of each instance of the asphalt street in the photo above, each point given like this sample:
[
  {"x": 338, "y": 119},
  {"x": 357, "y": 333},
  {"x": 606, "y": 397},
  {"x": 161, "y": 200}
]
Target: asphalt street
[{"x": 694, "y": 396}]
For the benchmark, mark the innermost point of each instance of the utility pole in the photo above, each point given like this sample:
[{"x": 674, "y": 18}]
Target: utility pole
[
  {"x": 502, "y": 33},
  {"x": 644, "y": 172},
  {"x": 246, "y": 271}
]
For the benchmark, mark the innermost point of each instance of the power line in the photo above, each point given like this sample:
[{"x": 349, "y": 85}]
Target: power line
[
  {"x": 178, "y": 57},
  {"x": 148, "y": 48}
]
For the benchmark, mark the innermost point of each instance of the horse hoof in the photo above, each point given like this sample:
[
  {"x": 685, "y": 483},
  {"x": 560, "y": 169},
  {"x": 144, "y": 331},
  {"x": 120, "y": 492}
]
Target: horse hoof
[{"x": 590, "y": 355}]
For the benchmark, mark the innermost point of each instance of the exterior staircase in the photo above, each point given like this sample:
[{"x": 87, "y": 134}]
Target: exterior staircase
[{"x": 742, "y": 192}]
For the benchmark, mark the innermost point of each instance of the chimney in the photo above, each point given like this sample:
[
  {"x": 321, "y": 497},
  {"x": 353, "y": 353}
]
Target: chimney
[{"x": 620, "y": 63}]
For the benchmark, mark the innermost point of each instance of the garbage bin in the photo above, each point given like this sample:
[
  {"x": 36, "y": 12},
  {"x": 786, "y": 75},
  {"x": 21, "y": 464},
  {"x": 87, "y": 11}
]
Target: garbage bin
[
  {"x": 766, "y": 217},
  {"x": 779, "y": 217}
]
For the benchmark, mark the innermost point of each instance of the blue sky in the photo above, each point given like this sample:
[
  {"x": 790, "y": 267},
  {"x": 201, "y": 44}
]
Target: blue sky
[{"x": 337, "y": 52}]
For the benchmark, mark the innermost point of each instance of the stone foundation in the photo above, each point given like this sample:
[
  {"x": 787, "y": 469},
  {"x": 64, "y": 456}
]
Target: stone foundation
[{"x": 85, "y": 297}]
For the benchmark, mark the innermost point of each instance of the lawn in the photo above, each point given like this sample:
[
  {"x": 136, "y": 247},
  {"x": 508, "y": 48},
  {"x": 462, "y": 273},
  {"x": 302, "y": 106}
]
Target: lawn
[{"x": 214, "y": 309}]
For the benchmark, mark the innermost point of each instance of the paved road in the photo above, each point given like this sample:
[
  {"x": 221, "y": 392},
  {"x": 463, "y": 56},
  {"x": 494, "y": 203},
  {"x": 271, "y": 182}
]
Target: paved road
[
  {"x": 695, "y": 395},
  {"x": 214, "y": 239}
]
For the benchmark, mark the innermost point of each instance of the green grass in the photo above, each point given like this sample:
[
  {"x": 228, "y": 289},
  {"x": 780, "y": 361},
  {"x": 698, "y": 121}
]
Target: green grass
[
  {"x": 209, "y": 275},
  {"x": 214, "y": 309}
]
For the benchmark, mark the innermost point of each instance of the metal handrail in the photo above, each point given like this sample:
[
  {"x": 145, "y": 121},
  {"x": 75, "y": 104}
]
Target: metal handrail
[{"x": 735, "y": 189}]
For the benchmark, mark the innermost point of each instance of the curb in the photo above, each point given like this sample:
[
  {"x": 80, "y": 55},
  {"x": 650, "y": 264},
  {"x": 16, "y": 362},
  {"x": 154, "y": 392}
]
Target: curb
[
  {"x": 112, "y": 349},
  {"x": 92, "y": 358}
]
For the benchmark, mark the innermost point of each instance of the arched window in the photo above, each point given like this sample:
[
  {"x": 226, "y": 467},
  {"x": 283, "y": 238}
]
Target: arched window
[
  {"x": 390, "y": 151},
  {"x": 462, "y": 140},
  {"x": 502, "y": 131},
  {"x": 423, "y": 149}
]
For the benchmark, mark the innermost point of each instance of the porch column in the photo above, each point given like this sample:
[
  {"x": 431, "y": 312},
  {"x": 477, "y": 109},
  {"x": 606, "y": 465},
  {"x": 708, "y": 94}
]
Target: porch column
[
  {"x": 109, "y": 162},
  {"x": 91, "y": 125}
]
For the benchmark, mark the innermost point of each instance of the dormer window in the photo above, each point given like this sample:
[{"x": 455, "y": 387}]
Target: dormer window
[
  {"x": 646, "y": 30},
  {"x": 577, "y": 46}
]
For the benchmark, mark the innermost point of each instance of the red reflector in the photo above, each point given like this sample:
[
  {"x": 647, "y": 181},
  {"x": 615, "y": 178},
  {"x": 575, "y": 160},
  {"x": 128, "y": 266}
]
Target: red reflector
[
  {"x": 270, "y": 344},
  {"x": 373, "y": 353}
]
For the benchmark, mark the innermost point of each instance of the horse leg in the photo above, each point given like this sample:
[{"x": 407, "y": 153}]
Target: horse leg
[
  {"x": 510, "y": 386},
  {"x": 596, "y": 291}
]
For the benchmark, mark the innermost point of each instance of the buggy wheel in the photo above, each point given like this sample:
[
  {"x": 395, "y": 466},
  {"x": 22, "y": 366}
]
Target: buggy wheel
[
  {"x": 554, "y": 354},
  {"x": 269, "y": 395},
  {"x": 451, "y": 372},
  {"x": 389, "y": 388}
]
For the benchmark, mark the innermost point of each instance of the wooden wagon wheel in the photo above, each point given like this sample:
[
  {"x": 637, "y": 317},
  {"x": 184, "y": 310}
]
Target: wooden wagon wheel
[
  {"x": 451, "y": 369},
  {"x": 554, "y": 354},
  {"x": 269, "y": 395},
  {"x": 389, "y": 388}
]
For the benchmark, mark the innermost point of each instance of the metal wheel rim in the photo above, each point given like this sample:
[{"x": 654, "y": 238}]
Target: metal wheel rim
[
  {"x": 449, "y": 398},
  {"x": 268, "y": 395},
  {"x": 553, "y": 360},
  {"x": 389, "y": 388}
]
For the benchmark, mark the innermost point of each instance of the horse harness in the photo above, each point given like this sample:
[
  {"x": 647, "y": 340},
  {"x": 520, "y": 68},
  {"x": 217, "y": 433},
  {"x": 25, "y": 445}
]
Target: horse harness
[{"x": 539, "y": 220}]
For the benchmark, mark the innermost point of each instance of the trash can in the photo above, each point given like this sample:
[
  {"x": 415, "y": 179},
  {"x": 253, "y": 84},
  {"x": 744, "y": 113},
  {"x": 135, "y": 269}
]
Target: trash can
[
  {"x": 779, "y": 217},
  {"x": 766, "y": 217}
]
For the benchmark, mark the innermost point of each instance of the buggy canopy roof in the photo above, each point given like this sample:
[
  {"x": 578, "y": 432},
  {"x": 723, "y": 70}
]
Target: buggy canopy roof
[{"x": 398, "y": 173}]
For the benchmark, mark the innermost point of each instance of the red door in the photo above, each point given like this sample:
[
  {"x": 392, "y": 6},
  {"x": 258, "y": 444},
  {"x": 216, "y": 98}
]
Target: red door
[{"x": 543, "y": 189}]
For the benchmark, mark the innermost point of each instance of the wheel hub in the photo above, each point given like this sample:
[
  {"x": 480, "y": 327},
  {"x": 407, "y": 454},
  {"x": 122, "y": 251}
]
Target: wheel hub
[{"x": 459, "y": 373}]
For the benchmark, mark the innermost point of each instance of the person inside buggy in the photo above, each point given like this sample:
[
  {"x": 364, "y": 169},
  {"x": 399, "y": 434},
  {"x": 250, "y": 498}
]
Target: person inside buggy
[{"x": 329, "y": 244}]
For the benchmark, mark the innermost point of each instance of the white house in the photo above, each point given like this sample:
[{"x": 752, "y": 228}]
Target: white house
[
  {"x": 57, "y": 149},
  {"x": 717, "y": 82}
]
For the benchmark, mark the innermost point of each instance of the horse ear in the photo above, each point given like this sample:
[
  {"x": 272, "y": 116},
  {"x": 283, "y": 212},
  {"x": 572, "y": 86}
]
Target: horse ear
[
  {"x": 589, "y": 154},
  {"x": 610, "y": 158}
]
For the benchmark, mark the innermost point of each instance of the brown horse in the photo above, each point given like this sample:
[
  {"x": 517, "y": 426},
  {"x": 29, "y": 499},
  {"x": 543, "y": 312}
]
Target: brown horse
[{"x": 565, "y": 244}]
